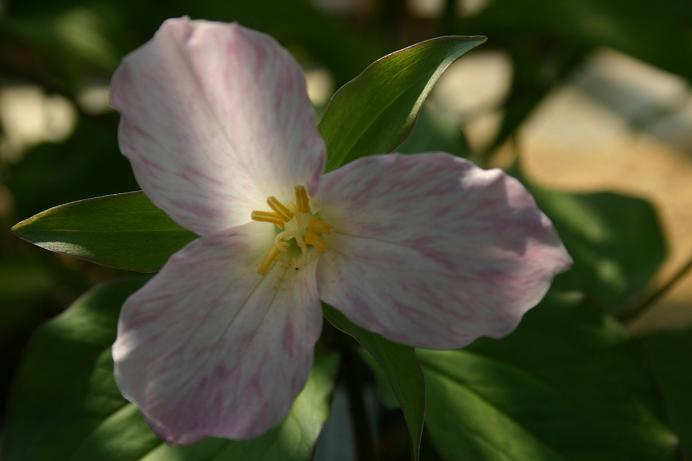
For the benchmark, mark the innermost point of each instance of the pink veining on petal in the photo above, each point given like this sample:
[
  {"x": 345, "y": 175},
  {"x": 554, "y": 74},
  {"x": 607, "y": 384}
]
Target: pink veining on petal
[
  {"x": 192, "y": 173},
  {"x": 432, "y": 251},
  {"x": 208, "y": 348},
  {"x": 287, "y": 338},
  {"x": 192, "y": 149},
  {"x": 196, "y": 209},
  {"x": 427, "y": 250}
]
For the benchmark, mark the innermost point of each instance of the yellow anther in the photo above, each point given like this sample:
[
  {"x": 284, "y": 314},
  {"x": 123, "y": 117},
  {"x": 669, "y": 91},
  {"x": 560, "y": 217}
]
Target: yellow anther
[
  {"x": 270, "y": 258},
  {"x": 313, "y": 238},
  {"x": 319, "y": 226},
  {"x": 300, "y": 230},
  {"x": 267, "y": 216},
  {"x": 281, "y": 209},
  {"x": 302, "y": 200}
]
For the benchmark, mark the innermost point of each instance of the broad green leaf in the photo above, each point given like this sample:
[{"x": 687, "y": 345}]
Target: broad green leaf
[
  {"x": 565, "y": 386},
  {"x": 668, "y": 358},
  {"x": 616, "y": 241},
  {"x": 374, "y": 112},
  {"x": 399, "y": 365},
  {"x": 124, "y": 231},
  {"x": 64, "y": 404}
]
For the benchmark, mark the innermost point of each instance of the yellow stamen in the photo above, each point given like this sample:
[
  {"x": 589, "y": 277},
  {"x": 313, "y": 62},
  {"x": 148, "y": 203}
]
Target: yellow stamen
[
  {"x": 302, "y": 200},
  {"x": 267, "y": 216},
  {"x": 312, "y": 238},
  {"x": 319, "y": 226},
  {"x": 281, "y": 209},
  {"x": 270, "y": 258},
  {"x": 299, "y": 230}
]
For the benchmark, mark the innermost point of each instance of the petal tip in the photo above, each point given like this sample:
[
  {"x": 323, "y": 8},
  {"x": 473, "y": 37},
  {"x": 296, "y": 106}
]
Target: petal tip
[{"x": 565, "y": 263}]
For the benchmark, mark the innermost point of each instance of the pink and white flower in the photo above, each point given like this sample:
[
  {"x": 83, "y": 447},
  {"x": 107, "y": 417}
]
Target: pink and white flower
[{"x": 427, "y": 250}]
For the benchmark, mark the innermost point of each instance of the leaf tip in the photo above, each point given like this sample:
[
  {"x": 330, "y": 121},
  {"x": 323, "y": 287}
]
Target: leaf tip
[
  {"x": 17, "y": 229},
  {"x": 478, "y": 39}
]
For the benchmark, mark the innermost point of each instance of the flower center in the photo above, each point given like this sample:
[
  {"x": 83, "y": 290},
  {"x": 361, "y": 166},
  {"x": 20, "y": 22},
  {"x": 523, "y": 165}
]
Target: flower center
[{"x": 298, "y": 229}]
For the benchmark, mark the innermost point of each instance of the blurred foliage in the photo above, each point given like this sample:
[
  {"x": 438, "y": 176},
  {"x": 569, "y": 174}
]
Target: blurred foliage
[
  {"x": 81, "y": 40},
  {"x": 548, "y": 40},
  {"x": 616, "y": 242},
  {"x": 397, "y": 365},
  {"x": 435, "y": 132},
  {"x": 667, "y": 356},
  {"x": 87, "y": 163},
  {"x": 66, "y": 382},
  {"x": 659, "y": 34},
  {"x": 567, "y": 385}
]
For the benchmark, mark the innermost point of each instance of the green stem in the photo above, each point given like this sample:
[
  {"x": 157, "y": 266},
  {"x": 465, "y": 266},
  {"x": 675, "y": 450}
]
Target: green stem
[
  {"x": 353, "y": 379},
  {"x": 649, "y": 301}
]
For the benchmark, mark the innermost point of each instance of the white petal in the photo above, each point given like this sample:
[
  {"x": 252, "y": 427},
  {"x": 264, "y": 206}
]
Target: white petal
[
  {"x": 210, "y": 348},
  {"x": 215, "y": 118},
  {"x": 432, "y": 251}
]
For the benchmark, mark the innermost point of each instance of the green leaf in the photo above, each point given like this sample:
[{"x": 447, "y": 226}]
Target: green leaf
[
  {"x": 668, "y": 358},
  {"x": 435, "y": 132},
  {"x": 616, "y": 241},
  {"x": 124, "y": 231},
  {"x": 374, "y": 112},
  {"x": 64, "y": 404},
  {"x": 565, "y": 386},
  {"x": 399, "y": 365}
]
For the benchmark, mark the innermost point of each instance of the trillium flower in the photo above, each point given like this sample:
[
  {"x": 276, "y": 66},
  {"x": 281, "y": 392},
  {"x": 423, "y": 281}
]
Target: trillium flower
[{"x": 426, "y": 250}]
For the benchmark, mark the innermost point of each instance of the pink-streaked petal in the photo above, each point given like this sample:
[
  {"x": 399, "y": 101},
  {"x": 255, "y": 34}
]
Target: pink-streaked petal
[
  {"x": 215, "y": 118},
  {"x": 210, "y": 348},
  {"x": 432, "y": 251}
]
